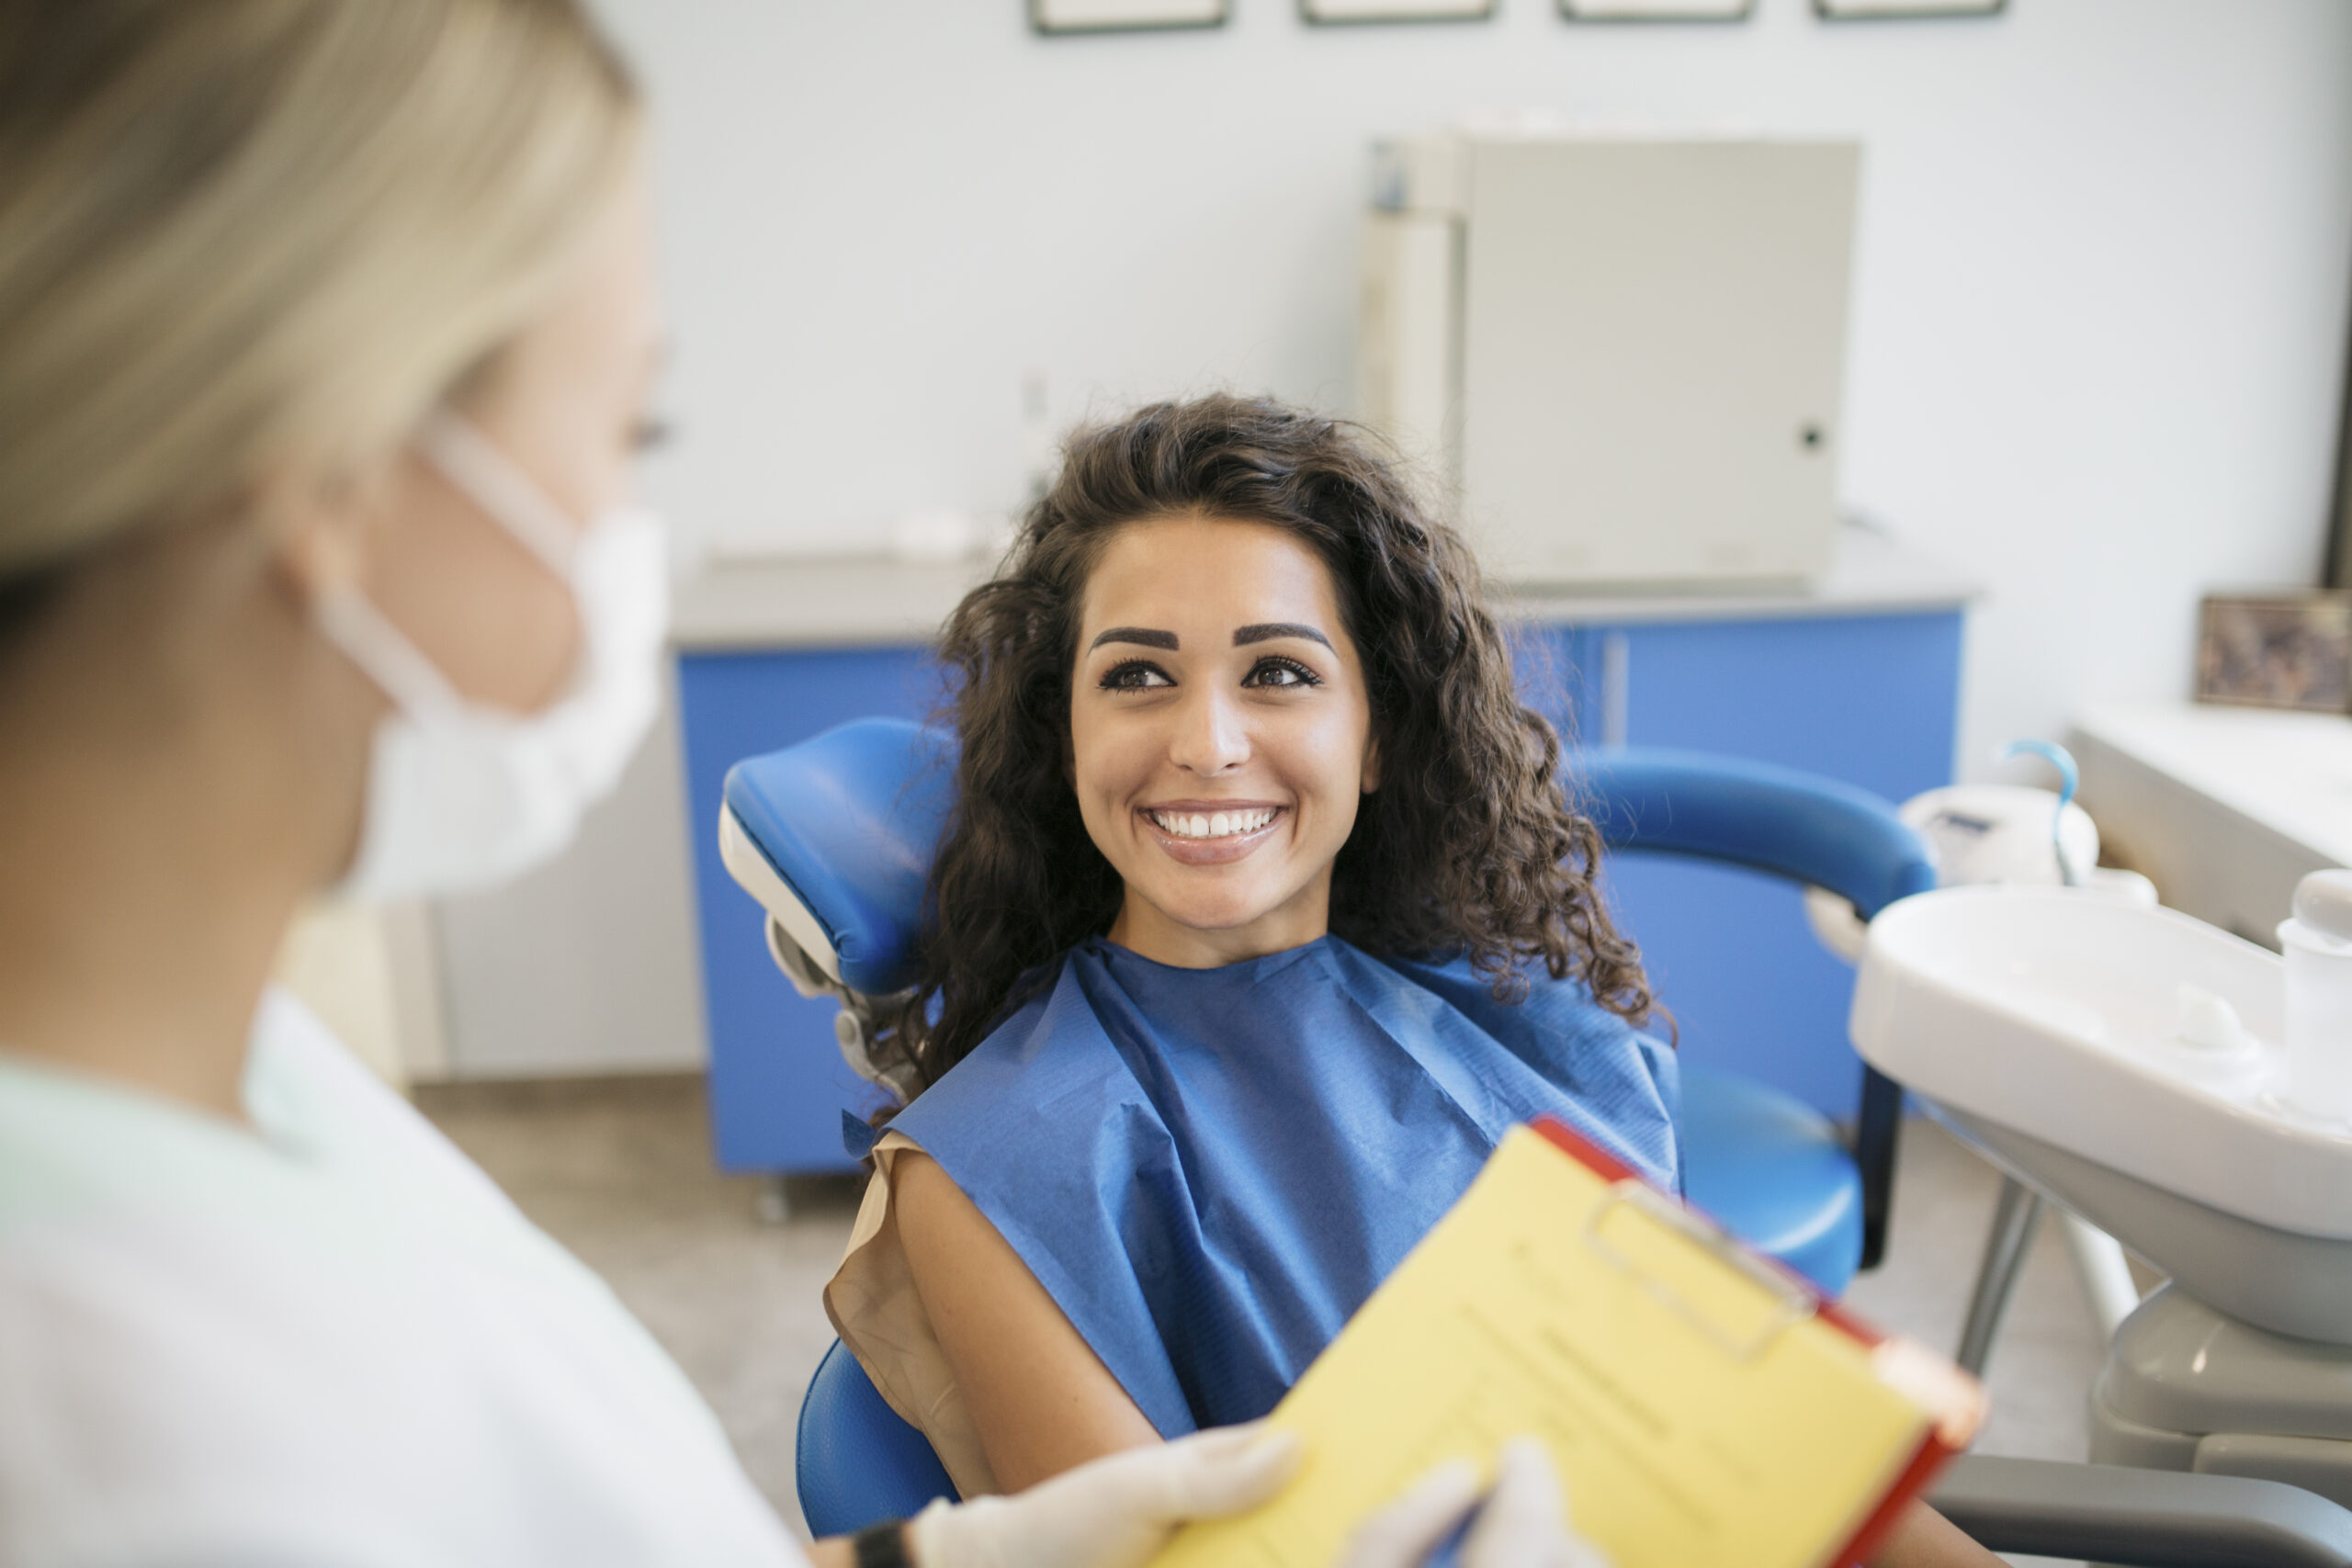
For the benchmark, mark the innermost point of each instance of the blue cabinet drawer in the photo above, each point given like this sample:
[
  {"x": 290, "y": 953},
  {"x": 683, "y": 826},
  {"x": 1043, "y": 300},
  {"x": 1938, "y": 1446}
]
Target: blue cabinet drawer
[{"x": 777, "y": 1082}]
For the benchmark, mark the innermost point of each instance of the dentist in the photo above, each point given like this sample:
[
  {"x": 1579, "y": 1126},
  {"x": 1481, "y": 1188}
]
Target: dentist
[{"x": 326, "y": 330}]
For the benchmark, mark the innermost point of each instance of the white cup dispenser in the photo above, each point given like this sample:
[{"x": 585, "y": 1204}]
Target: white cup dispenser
[{"x": 2318, "y": 946}]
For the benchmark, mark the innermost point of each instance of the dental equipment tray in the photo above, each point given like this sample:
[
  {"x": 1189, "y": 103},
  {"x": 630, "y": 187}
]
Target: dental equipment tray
[{"x": 2048, "y": 1025}]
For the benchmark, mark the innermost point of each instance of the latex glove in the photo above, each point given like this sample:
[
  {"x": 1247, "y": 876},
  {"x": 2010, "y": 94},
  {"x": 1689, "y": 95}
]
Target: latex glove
[
  {"x": 1523, "y": 1523},
  {"x": 1113, "y": 1513}
]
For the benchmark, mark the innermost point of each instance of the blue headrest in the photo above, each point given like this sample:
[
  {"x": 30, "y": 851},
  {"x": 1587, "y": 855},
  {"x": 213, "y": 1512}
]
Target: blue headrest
[
  {"x": 850, "y": 819},
  {"x": 1797, "y": 824}
]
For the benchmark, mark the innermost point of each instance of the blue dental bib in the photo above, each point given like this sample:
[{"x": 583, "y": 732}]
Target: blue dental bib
[{"x": 1211, "y": 1169}]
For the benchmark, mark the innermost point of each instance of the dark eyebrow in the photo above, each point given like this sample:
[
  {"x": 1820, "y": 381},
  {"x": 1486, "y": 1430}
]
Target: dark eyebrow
[
  {"x": 1267, "y": 629},
  {"x": 1144, "y": 635}
]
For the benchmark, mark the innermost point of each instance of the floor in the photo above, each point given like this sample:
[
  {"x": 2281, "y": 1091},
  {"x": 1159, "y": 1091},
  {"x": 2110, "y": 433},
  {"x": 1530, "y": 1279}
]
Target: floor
[{"x": 619, "y": 1170}]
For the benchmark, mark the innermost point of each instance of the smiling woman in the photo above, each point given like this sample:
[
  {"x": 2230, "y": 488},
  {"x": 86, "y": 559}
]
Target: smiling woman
[
  {"x": 1168, "y": 535},
  {"x": 1261, "y": 915}
]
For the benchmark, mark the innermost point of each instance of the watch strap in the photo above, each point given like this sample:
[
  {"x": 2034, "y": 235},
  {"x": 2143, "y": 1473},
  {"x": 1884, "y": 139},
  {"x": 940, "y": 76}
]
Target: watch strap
[{"x": 881, "y": 1546}]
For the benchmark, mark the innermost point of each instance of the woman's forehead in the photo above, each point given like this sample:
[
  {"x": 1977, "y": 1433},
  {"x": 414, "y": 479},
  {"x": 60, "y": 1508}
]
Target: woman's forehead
[{"x": 1209, "y": 572}]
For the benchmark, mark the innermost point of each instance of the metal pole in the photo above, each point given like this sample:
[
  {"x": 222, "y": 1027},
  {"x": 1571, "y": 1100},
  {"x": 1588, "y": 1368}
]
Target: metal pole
[
  {"x": 2004, "y": 1248},
  {"x": 2107, "y": 1276}
]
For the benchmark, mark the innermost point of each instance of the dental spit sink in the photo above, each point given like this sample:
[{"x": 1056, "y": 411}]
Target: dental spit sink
[{"x": 2083, "y": 1044}]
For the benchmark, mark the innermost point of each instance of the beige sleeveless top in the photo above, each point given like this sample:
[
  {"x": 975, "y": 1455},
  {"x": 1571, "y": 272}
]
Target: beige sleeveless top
[{"x": 876, "y": 1311}]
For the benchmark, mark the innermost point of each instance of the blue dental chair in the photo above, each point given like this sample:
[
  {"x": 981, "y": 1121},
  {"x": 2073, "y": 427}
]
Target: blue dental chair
[
  {"x": 1770, "y": 1168},
  {"x": 833, "y": 837}
]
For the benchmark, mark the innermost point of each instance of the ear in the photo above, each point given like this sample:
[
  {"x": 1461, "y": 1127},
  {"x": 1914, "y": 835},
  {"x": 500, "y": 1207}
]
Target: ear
[
  {"x": 320, "y": 533},
  {"x": 1370, "y": 783}
]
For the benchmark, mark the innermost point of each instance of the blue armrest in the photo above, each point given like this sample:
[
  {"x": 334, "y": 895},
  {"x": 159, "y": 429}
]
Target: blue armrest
[{"x": 1798, "y": 825}]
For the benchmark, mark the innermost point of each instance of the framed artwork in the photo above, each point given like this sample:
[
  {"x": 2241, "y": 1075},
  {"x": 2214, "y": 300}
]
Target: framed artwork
[
  {"x": 1657, "y": 10},
  {"x": 1326, "y": 12},
  {"x": 2286, "y": 651},
  {"x": 1126, "y": 16},
  {"x": 1884, "y": 10}
]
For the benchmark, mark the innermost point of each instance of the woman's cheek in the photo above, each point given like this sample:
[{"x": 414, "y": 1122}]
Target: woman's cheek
[
  {"x": 1328, "y": 762},
  {"x": 1112, "y": 769}
]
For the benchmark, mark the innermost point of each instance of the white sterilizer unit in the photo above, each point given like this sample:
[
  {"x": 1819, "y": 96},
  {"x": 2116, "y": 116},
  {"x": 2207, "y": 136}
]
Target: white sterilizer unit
[{"x": 1622, "y": 358}]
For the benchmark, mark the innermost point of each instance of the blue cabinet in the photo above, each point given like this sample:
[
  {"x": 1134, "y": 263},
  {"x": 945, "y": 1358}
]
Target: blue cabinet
[
  {"x": 777, "y": 1082},
  {"x": 1868, "y": 698}
]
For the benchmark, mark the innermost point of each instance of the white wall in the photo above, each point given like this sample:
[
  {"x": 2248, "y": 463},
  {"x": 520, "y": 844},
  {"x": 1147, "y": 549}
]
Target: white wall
[
  {"x": 2099, "y": 325},
  {"x": 586, "y": 964}
]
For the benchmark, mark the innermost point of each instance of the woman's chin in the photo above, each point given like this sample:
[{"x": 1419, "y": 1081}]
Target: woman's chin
[{"x": 1230, "y": 928}]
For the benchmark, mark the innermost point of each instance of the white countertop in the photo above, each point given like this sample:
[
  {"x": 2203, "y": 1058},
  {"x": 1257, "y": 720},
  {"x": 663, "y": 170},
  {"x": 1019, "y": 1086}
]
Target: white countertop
[
  {"x": 865, "y": 600},
  {"x": 2290, "y": 772}
]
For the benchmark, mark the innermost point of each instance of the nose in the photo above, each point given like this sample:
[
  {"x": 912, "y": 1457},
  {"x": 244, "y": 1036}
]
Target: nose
[{"x": 1211, "y": 736}]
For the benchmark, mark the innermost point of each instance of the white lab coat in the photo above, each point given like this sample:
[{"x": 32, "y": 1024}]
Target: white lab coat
[{"x": 326, "y": 1341}]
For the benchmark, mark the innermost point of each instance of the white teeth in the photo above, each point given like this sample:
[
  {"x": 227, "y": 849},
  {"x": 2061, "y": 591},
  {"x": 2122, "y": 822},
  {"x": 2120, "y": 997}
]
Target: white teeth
[{"x": 1214, "y": 825}]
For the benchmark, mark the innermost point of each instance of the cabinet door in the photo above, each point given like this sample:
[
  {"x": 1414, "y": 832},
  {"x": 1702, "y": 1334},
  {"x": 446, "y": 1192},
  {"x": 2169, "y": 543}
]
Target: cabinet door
[
  {"x": 1871, "y": 700},
  {"x": 777, "y": 1082}
]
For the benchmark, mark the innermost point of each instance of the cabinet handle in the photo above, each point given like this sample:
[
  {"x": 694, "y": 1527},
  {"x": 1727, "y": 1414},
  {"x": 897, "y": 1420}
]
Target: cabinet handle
[{"x": 1616, "y": 685}]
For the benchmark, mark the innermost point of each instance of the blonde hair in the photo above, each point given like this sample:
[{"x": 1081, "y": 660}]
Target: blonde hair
[{"x": 241, "y": 239}]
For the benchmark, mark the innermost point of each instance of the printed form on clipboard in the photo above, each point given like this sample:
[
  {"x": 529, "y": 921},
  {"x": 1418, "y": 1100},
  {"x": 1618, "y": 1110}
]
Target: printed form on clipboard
[{"x": 1707, "y": 1408}]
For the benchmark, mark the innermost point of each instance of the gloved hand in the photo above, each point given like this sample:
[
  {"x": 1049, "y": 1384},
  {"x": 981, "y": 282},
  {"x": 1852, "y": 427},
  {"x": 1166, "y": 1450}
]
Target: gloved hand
[
  {"x": 1523, "y": 1523},
  {"x": 1113, "y": 1513}
]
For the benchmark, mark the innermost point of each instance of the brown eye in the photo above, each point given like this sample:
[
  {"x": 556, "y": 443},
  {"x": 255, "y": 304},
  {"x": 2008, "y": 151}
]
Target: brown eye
[
  {"x": 1134, "y": 675},
  {"x": 1277, "y": 672}
]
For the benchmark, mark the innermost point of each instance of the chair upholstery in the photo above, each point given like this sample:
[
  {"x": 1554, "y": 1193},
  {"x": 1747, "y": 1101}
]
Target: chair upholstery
[
  {"x": 1793, "y": 824},
  {"x": 850, "y": 819},
  {"x": 855, "y": 1462},
  {"x": 1772, "y": 1169}
]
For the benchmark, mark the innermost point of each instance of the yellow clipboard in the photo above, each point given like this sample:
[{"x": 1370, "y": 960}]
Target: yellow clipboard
[{"x": 1707, "y": 1408}]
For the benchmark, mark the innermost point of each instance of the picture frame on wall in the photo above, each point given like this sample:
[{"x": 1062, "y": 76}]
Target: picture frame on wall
[
  {"x": 1897, "y": 10},
  {"x": 1347, "y": 13},
  {"x": 2275, "y": 650},
  {"x": 1657, "y": 10},
  {"x": 1056, "y": 16}
]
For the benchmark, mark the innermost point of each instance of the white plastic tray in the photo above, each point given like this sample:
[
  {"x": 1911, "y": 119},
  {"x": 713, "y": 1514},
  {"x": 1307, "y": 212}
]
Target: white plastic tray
[{"x": 2059, "y": 1015}]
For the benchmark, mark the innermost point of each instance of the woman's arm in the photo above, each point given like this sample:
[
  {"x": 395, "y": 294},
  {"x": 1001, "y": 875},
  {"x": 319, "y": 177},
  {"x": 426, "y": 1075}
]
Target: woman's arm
[
  {"x": 1040, "y": 1398},
  {"x": 1924, "y": 1539},
  {"x": 1044, "y": 1402}
]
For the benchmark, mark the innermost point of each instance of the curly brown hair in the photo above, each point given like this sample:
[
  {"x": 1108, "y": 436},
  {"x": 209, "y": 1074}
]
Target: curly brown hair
[{"x": 1469, "y": 846}]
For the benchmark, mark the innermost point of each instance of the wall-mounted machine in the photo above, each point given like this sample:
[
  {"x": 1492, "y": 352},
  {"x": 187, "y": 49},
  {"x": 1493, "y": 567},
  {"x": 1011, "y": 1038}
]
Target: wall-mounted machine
[{"x": 1623, "y": 357}]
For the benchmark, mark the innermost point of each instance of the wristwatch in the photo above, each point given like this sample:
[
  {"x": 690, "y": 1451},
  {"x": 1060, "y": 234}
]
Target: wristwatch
[{"x": 882, "y": 1546}]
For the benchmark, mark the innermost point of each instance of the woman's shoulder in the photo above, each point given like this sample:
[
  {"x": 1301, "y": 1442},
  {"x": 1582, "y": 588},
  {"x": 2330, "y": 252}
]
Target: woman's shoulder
[
  {"x": 1049, "y": 1045},
  {"x": 1611, "y": 1077},
  {"x": 1533, "y": 1000}
]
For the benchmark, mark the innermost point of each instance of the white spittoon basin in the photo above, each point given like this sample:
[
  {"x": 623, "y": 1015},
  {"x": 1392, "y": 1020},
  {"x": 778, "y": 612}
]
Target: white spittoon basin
[{"x": 2083, "y": 1044}]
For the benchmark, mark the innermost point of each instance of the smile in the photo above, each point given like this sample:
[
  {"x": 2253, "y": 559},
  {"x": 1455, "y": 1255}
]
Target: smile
[
  {"x": 1212, "y": 834},
  {"x": 1212, "y": 824}
]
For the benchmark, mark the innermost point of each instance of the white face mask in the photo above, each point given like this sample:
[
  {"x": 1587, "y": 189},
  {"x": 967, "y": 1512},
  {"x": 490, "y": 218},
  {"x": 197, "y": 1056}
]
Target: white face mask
[{"x": 461, "y": 795}]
